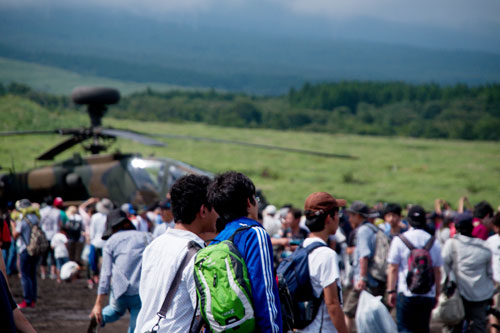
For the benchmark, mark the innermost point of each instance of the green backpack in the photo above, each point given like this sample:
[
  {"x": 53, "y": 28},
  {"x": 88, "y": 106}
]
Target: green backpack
[{"x": 223, "y": 287}]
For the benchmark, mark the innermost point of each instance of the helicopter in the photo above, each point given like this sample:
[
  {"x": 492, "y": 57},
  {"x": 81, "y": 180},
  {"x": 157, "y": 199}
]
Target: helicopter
[{"x": 121, "y": 177}]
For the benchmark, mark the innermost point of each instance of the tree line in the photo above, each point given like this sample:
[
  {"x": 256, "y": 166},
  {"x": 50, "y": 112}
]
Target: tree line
[{"x": 374, "y": 108}]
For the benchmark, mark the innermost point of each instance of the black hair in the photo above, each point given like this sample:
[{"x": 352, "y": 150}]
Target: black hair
[
  {"x": 316, "y": 223},
  {"x": 297, "y": 213},
  {"x": 188, "y": 194},
  {"x": 496, "y": 220},
  {"x": 228, "y": 194},
  {"x": 482, "y": 209},
  {"x": 465, "y": 228},
  {"x": 393, "y": 208},
  {"x": 48, "y": 200}
]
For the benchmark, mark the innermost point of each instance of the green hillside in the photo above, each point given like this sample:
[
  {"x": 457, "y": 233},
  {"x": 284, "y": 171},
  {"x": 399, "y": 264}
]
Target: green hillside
[
  {"x": 59, "y": 81},
  {"x": 404, "y": 170}
]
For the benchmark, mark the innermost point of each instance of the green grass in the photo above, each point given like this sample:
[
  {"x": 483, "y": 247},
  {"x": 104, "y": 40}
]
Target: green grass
[
  {"x": 60, "y": 81},
  {"x": 400, "y": 170}
]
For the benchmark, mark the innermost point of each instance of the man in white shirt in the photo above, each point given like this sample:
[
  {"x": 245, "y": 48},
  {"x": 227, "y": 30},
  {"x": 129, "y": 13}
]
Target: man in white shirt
[
  {"x": 413, "y": 310},
  {"x": 162, "y": 258},
  {"x": 51, "y": 222},
  {"x": 322, "y": 213},
  {"x": 97, "y": 228}
]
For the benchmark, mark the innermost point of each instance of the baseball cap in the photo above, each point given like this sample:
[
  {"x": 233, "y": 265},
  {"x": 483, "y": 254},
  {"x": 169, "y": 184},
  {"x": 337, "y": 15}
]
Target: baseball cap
[
  {"x": 166, "y": 204},
  {"x": 416, "y": 214},
  {"x": 359, "y": 207},
  {"x": 463, "y": 220},
  {"x": 321, "y": 202},
  {"x": 58, "y": 202}
]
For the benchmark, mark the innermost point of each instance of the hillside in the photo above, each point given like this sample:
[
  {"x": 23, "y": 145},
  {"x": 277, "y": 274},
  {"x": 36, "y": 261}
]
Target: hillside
[
  {"x": 404, "y": 170},
  {"x": 59, "y": 81},
  {"x": 350, "y": 107}
]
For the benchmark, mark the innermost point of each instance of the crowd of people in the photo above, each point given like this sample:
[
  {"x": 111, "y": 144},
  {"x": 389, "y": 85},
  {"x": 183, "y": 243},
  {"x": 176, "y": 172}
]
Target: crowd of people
[{"x": 144, "y": 260}]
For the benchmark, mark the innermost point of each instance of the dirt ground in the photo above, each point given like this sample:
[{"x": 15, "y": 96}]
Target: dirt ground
[{"x": 65, "y": 307}]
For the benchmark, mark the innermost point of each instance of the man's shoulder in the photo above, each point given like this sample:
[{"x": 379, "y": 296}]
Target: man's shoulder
[
  {"x": 233, "y": 226},
  {"x": 324, "y": 250}
]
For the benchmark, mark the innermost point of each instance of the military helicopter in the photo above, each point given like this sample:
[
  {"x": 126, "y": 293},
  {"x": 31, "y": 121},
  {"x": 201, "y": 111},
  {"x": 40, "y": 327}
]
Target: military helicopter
[{"x": 121, "y": 177}]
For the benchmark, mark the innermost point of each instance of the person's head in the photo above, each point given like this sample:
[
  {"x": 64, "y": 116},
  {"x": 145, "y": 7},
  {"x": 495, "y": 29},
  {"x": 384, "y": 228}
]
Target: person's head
[
  {"x": 104, "y": 206},
  {"x": 116, "y": 220},
  {"x": 496, "y": 223},
  {"x": 58, "y": 202},
  {"x": 483, "y": 210},
  {"x": 128, "y": 209},
  {"x": 189, "y": 202},
  {"x": 232, "y": 194},
  {"x": 71, "y": 210},
  {"x": 166, "y": 209},
  {"x": 463, "y": 224},
  {"x": 48, "y": 200},
  {"x": 292, "y": 218},
  {"x": 417, "y": 217},
  {"x": 358, "y": 212},
  {"x": 392, "y": 214},
  {"x": 322, "y": 212}
]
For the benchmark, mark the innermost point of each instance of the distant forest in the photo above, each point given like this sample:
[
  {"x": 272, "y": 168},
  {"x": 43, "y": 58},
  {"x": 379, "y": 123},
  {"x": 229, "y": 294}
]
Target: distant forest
[{"x": 373, "y": 108}]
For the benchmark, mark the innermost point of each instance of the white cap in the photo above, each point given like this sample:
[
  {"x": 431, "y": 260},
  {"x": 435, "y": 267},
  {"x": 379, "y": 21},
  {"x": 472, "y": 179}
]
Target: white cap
[{"x": 269, "y": 210}]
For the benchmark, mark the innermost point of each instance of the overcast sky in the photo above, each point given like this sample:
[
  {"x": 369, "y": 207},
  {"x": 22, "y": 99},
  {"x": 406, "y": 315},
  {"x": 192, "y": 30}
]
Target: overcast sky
[
  {"x": 449, "y": 13},
  {"x": 448, "y": 24}
]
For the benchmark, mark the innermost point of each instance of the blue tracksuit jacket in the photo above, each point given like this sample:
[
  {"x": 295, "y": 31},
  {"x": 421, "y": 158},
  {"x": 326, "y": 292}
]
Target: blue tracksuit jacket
[{"x": 255, "y": 247}]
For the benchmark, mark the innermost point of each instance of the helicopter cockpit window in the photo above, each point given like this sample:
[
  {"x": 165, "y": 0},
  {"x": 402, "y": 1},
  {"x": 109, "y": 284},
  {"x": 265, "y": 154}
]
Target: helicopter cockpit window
[
  {"x": 174, "y": 173},
  {"x": 146, "y": 173}
]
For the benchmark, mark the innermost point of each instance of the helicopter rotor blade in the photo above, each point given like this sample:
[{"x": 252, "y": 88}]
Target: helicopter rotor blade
[
  {"x": 29, "y": 132},
  {"x": 66, "y": 144},
  {"x": 257, "y": 145},
  {"x": 127, "y": 134}
]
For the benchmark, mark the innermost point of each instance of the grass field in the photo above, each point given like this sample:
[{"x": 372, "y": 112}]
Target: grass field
[
  {"x": 60, "y": 81},
  {"x": 396, "y": 169}
]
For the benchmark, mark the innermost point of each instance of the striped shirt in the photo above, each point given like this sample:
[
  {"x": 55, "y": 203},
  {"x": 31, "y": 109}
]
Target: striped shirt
[
  {"x": 122, "y": 262},
  {"x": 256, "y": 250}
]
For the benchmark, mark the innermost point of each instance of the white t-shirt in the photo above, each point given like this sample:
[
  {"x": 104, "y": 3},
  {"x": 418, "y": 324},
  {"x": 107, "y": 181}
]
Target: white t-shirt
[
  {"x": 97, "y": 228},
  {"x": 493, "y": 243},
  {"x": 399, "y": 253},
  {"x": 324, "y": 271},
  {"x": 50, "y": 221},
  {"x": 160, "y": 262},
  {"x": 58, "y": 243}
]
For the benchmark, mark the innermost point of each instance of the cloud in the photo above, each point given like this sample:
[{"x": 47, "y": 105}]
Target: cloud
[
  {"x": 447, "y": 13},
  {"x": 451, "y": 13}
]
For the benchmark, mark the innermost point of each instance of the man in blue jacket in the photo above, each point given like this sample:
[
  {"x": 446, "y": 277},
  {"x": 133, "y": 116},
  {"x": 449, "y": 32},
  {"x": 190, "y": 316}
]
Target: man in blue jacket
[{"x": 232, "y": 194}]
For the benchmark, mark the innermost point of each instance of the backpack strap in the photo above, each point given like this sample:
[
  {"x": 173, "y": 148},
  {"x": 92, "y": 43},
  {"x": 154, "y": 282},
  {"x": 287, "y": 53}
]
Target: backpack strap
[
  {"x": 429, "y": 243},
  {"x": 241, "y": 229},
  {"x": 313, "y": 246},
  {"x": 373, "y": 228},
  {"x": 407, "y": 242},
  {"x": 27, "y": 220},
  {"x": 193, "y": 248}
]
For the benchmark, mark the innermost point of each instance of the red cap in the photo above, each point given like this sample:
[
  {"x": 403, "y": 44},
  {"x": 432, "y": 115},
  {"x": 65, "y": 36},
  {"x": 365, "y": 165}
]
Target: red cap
[
  {"x": 322, "y": 201},
  {"x": 58, "y": 202}
]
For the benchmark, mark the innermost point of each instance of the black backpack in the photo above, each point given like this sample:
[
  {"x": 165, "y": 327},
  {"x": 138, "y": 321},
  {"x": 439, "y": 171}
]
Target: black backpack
[
  {"x": 420, "y": 277},
  {"x": 73, "y": 228},
  {"x": 298, "y": 304}
]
